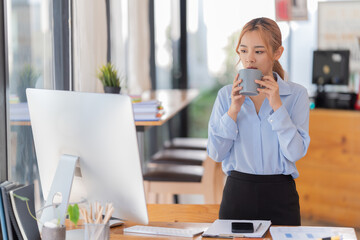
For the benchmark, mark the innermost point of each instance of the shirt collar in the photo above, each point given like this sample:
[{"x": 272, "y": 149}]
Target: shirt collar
[{"x": 284, "y": 87}]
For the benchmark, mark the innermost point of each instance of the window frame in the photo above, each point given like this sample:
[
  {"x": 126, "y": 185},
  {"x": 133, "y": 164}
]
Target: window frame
[
  {"x": 62, "y": 58},
  {"x": 62, "y": 54},
  {"x": 4, "y": 91}
]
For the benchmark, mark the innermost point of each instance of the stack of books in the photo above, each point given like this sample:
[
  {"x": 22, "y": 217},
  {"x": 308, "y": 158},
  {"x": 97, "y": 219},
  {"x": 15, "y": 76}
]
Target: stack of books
[
  {"x": 19, "y": 112},
  {"x": 148, "y": 110},
  {"x": 16, "y": 220}
]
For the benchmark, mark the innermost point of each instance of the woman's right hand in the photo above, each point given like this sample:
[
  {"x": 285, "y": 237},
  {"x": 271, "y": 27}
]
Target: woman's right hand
[{"x": 237, "y": 100}]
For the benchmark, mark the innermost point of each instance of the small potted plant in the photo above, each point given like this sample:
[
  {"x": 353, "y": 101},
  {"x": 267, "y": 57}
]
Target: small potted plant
[
  {"x": 53, "y": 230},
  {"x": 109, "y": 78}
]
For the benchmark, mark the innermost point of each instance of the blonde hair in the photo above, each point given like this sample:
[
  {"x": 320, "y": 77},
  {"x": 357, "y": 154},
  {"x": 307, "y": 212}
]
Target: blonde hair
[{"x": 270, "y": 33}]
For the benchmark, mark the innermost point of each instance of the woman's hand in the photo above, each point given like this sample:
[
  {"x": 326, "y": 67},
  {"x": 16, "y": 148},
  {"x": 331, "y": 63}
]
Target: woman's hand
[
  {"x": 271, "y": 91},
  {"x": 237, "y": 100}
]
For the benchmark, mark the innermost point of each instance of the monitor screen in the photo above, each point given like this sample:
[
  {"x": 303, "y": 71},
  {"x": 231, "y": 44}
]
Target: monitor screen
[
  {"x": 331, "y": 67},
  {"x": 100, "y": 130}
]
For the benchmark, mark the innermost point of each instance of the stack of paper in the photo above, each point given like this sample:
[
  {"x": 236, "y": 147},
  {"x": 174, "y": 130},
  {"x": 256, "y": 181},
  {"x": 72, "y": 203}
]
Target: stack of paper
[
  {"x": 148, "y": 110},
  {"x": 19, "y": 112},
  {"x": 311, "y": 233}
]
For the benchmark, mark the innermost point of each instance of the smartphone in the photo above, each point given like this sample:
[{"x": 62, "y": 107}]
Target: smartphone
[{"x": 242, "y": 227}]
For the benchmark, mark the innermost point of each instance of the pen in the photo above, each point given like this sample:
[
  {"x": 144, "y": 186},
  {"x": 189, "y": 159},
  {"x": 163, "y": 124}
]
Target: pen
[
  {"x": 234, "y": 235},
  {"x": 330, "y": 238},
  {"x": 258, "y": 227}
]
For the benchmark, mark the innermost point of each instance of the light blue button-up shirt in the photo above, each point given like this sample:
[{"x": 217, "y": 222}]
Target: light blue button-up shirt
[{"x": 265, "y": 143}]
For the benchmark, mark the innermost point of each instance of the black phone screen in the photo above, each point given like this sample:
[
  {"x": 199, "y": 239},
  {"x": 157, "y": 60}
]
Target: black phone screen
[{"x": 242, "y": 227}]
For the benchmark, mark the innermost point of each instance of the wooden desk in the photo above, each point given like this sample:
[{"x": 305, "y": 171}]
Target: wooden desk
[
  {"x": 329, "y": 181},
  {"x": 174, "y": 215},
  {"x": 173, "y": 101}
]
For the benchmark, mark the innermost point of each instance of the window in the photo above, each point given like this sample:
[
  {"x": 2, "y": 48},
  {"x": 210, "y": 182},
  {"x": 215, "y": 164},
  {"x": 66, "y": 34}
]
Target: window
[
  {"x": 3, "y": 79},
  {"x": 167, "y": 38},
  {"x": 37, "y": 58}
]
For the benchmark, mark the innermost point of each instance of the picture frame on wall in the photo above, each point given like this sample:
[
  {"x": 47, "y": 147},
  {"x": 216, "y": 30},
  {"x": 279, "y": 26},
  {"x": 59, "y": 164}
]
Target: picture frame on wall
[
  {"x": 291, "y": 10},
  {"x": 339, "y": 28}
]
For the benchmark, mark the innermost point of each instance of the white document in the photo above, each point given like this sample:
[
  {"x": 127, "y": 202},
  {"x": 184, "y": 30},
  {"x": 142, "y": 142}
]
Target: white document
[
  {"x": 222, "y": 229},
  {"x": 311, "y": 233}
]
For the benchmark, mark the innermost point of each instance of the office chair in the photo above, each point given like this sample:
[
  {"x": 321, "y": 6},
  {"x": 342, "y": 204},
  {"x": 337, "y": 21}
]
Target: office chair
[
  {"x": 179, "y": 156},
  {"x": 186, "y": 143},
  {"x": 183, "y": 151},
  {"x": 162, "y": 181}
]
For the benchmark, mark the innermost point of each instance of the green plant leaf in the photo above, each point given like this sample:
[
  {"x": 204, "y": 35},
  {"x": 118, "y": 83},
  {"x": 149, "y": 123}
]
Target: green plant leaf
[
  {"x": 21, "y": 197},
  {"x": 25, "y": 199},
  {"x": 108, "y": 75},
  {"x": 73, "y": 211}
]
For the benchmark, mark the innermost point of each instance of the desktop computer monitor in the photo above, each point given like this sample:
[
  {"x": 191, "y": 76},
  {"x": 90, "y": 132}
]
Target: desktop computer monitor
[
  {"x": 331, "y": 67},
  {"x": 100, "y": 130}
]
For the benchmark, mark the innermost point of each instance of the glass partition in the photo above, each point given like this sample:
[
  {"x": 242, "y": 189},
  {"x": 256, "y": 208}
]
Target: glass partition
[{"x": 31, "y": 64}]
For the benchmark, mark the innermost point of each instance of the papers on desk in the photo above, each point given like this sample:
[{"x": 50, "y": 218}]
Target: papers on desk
[
  {"x": 222, "y": 229},
  {"x": 148, "y": 110},
  {"x": 306, "y": 233},
  {"x": 19, "y": 112}
]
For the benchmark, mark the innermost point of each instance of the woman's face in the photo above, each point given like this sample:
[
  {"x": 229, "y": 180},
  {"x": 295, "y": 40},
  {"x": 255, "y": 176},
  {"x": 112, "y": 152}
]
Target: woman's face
[{"x": 253, "y": 53}]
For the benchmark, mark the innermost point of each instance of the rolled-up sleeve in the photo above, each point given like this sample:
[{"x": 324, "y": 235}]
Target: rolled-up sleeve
[
  {"x": 222, "y": 130},
  {"x": 292, "y": 131}
]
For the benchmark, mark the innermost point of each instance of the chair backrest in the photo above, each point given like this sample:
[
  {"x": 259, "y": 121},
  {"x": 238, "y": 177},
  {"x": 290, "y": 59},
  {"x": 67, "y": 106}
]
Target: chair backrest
[
  {"x": 214, "y": 177},
  {"x": 209, "y": 166}
]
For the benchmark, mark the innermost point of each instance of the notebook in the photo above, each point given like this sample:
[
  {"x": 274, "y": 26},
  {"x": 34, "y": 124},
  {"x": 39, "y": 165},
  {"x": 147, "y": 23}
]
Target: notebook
[
  {"x": 311, "y": 233},
  {"x": 5, "y": 199},
  {"x": 15, "y": 230},
  {"x": 27, "y": 224},
  {"x": 222, "y": 228},
  {"x": 2, "y": 213}
]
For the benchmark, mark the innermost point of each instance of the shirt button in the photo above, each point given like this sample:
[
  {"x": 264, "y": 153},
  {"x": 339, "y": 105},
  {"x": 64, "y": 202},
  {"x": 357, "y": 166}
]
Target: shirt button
[
  {"x": 237, "y": 131},
  {"x": 271, "y": 120}
]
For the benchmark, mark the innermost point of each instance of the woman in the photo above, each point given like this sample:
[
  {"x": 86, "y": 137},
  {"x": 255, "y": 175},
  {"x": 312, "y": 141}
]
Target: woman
[{"x": 259, "y": 138}]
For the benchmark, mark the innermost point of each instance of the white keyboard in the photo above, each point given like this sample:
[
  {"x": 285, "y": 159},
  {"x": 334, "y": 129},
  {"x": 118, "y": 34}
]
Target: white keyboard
[{"x": 178, "y": 232}]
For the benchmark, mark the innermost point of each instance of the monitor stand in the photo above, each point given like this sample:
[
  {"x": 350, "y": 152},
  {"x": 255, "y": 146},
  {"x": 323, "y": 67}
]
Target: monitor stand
[{"x": 61, "y": 184}]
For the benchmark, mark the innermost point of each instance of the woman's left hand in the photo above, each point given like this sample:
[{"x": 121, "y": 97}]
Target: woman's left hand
[{"x": 271, "y": 91}]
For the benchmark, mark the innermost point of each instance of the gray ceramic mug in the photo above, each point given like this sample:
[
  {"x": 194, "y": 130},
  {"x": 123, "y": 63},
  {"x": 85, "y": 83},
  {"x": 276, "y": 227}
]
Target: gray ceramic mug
[{"x": 248, "y": 83}]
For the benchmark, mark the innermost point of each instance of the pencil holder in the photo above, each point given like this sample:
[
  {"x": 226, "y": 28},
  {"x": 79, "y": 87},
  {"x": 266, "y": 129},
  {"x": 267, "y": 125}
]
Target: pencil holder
[
  {"x": 97, "y": 231},
  {"x": 58, "y": 233}
]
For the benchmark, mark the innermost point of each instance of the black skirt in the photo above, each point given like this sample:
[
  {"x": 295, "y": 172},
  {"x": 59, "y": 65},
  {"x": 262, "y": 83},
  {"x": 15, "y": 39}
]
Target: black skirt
[{"x": 261, "y": 197}]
